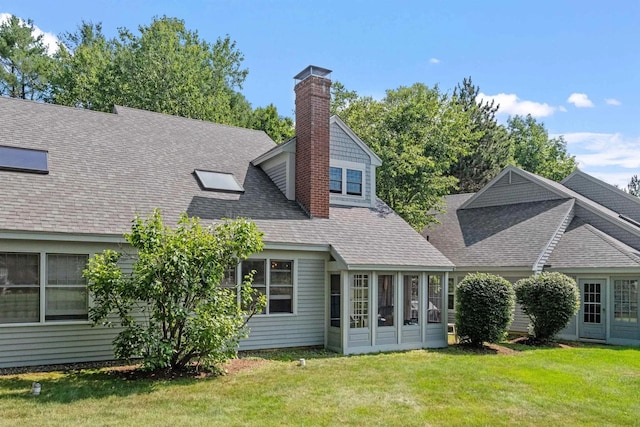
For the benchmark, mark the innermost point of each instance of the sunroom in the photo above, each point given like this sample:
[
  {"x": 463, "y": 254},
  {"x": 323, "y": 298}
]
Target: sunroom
[{"x": 383, "y": 310}]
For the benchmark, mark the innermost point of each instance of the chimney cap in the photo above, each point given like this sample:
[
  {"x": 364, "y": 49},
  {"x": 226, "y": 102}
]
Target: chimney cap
[{"x": 312, "y": 70}]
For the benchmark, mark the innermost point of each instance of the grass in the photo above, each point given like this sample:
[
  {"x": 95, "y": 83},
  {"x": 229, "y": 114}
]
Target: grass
[{"x": 585, "y": 385}]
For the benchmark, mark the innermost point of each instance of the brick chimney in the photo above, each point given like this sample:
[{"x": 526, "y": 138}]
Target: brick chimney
[{"x": 313, "y": 98}]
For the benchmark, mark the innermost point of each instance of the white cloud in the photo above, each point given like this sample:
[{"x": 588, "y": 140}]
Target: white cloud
[
  {"x": 562, "y": 109},
  {"x": 50, "y": 40},
  {"x": 434, "y": 60},
  {"x": 580, "y": 100},
  {"x": 510, "y": 104},
  {"x": 611, "y": 157},
  {"x": 604, "y": 149},
  {"x": 612, "y": 101},
  {"x": 619, "y": 179}
]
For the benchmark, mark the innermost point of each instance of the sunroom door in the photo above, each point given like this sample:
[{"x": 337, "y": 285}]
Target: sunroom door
[{"x": 592, "y": 314}]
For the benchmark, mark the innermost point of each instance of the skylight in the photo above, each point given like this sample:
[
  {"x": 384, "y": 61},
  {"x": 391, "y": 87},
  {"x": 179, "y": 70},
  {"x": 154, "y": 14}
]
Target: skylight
[
  {"x": 218, "y": 181},
  {"x": 23, "y": 160}
]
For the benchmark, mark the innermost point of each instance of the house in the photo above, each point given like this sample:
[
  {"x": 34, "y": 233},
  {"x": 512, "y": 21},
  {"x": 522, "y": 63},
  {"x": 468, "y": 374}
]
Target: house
[
  {"x": 340, "y": 269},
  {"x": 521, "y": 224}
]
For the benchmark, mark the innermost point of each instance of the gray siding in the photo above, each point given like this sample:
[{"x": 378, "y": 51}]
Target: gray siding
[
  {"x": 608, "y": 227},
  {"x": 386, "y": 335},
  {"x": 306, "y": 327},
  {"x": 502, "y": 193},
  {"x": 435, "y": 335},
  {"x": 625, "y": 330},
  {"x": 343, "y": 148},
  {"x": 278, "y": 174},
  {"x": 411, "y": 334},
  {"x": 51, "y": 342},
  {"x": 520, "y": 320},
  {"x": 360, "y": 337},
  {"x": 604, "y": 195}
]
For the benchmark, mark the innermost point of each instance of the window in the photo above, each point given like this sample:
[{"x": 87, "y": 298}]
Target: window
[
  {"x": 66, "y": 289},
  {"x": 592, "y": 303},
  {"x": 21, "y": 290},
  {"x": 218, "y": 181},
  {"x": 352, "y": 178},
  {"x": 281, "y": 287},
  {"x": 411, "y": 301},
  {"x": 625, "y": 301},
  {"x": 451, "y": 296},
  {"x": 335, "y": 180},
  {"x": 19, "y": 287},
  {"x": 257, "y": 268},
  {"x": 335, "y": 300},
  {"x": 230, "y": 281},
  {"x": 354, "y": 182},
  {"x": 385, "y": 300},
  {"x": 24, "y": 160},
  {"x": 359, "y": 301},
  {"x": 434, "y": 299},
  {"x": 276, "y": 284}
]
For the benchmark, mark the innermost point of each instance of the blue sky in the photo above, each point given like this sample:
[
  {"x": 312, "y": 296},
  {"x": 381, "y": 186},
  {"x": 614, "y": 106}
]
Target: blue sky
[{"x": 574, "y": 65}]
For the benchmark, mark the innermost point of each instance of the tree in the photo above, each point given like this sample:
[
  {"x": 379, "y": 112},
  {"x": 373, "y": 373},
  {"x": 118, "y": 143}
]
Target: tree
[
  {"x": 24, "y": 64},
  {"x": 550, "y": 300},
  {"x": 633, "y": 187},
  {"x": 175, "y": 284},
  {"x": 484, "y": 308},
  {"x": 84, "y": 74},
  {"x": 267, "y": 119},
  {"x": 488, "y": 144},
  {"x": 535, "y": 152},
  {"x": 419, "y": 134},
  {"x": 341, "y": 98},
  {"x": 166, "y": 68}
]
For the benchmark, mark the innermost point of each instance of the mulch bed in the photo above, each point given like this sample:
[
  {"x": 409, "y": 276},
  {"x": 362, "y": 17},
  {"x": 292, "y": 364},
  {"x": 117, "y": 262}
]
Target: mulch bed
[{"x": 133, "y": 372}]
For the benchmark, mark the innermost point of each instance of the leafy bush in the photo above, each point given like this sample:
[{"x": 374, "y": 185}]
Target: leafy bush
[
  {"x": 172, "y": 309},
  {"x": 484, "y": 308},
  {"x": 550, "y": 300}
]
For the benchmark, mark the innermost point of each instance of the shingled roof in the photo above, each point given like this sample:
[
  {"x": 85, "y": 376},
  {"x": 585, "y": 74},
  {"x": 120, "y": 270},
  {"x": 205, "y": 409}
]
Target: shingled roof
[
  {"x": 535, "y": 230},
  {"x": 106, "y": 168},
  {"x": 498, "y": 236}
]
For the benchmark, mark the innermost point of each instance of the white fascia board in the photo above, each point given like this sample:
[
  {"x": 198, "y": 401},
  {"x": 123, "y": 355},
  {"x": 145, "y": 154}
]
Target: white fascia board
[
  {"x": 597, "y": 270},
  {"x": 375, "y": 160},
  {"x": 389, "y": 267},
  {"x": 286, "y": 147},
  {"x": 489, "y": 269},
  {"x": 280, "y": 246},
  {"x": 61, "y": 237}
]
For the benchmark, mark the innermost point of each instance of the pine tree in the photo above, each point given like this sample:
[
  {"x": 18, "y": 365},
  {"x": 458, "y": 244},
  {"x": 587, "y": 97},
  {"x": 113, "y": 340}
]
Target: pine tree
[
  {"x": 488, "y": 143},
  {"x": 24, "y": 63}
]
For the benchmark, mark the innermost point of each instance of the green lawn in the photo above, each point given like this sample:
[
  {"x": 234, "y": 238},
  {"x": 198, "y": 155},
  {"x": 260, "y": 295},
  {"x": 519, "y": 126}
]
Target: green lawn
[{"x": 586, "y": 385}]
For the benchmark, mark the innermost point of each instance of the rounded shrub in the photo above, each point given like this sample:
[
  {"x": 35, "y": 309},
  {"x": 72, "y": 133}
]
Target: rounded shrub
[
  {"x": 484, "y": 308},
  {"x": 550, "y": 300}
]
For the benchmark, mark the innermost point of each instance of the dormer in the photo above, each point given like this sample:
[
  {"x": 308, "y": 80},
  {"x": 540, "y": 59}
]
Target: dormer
[
  {"x": 326, "y": 163},
  {"x": 352, "y": 167}
]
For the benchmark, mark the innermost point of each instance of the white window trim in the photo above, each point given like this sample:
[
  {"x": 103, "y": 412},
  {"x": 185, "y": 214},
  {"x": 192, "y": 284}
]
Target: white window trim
[
  {"x": 344, "y": 165},
  {"x": 42, "y": 287},
  {"x": 294, "y": 278}
]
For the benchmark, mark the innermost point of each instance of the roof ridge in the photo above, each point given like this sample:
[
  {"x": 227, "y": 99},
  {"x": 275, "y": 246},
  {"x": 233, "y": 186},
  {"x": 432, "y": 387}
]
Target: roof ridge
[
  {"x": 174, "y": 117},
  {"x": 538, "y": 266},
  {"x": 59, "y": 106},
  {"x": 602, "y": 184},
  {"x": 611, "y": 241}
]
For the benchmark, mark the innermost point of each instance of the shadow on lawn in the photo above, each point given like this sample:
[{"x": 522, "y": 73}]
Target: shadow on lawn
[
  {"x": 79, "y": 385},
  {"x": 289, "y": 355}
]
